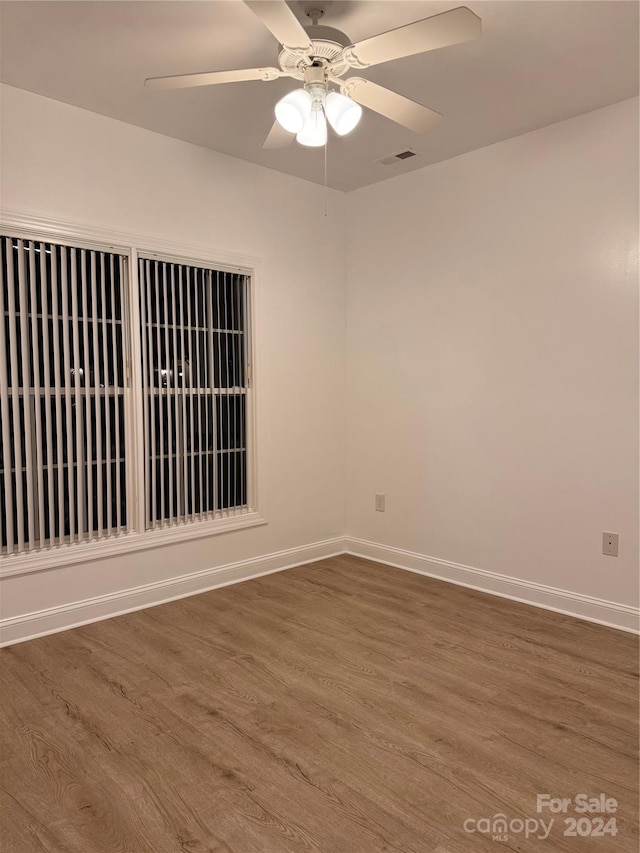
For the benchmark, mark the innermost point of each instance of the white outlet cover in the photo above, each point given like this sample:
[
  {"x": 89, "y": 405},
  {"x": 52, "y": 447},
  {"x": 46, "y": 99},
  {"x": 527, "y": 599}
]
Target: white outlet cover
[{"x": 610, "y": 544}]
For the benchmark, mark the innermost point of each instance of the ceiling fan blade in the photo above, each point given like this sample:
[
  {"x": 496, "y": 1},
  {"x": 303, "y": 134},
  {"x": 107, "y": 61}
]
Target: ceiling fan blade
[
  {"x": 390, "y": 104},
  {"x": 278, "y": 137},
  {"x": 281, "y": 22},
  {"x": 210, "y": 78},
  {"x": 453, "y": 27}
]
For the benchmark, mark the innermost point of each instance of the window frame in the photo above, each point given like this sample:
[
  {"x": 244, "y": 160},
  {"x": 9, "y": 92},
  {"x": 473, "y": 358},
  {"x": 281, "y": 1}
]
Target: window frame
[
  {"x": 84, "y": 392},
  {"x": 247, "y": 367},
  {"x": 137, "y": 538}
]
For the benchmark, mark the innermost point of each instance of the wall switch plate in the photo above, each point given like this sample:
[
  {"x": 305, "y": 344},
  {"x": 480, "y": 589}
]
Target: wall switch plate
[
  {"x": 379, "y": 503},
  {"x": 610, "y": 544}
]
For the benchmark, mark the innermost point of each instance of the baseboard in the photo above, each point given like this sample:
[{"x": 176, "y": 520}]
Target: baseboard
[
  {"x": 31, "y": 625},
  {"x": 604, "y": 612}
]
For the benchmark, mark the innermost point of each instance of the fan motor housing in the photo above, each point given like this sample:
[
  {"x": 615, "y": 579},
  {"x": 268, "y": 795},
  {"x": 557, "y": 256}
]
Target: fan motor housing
[
  {"x": 319, "y": 32},
  {"x": 328, "y": 44}
]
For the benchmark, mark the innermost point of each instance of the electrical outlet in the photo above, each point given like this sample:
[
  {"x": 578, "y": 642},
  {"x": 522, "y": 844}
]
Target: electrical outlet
[
  {"x": 610, "y": 544},
  {"x": 379, "y": 503}
]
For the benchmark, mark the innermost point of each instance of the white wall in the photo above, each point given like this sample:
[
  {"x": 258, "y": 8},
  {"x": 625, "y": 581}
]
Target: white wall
[
  {"x": 493, "y": 357},
  {"x": 62, "y": 162},
  {"x": 492, "y": 327}
]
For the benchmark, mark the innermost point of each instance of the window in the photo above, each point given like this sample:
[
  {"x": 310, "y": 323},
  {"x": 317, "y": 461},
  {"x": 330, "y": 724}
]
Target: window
[
  {"x": 93, "y": 446},
  {"x": 194, "y": 387},
  {"x": 62, "y": 460}
]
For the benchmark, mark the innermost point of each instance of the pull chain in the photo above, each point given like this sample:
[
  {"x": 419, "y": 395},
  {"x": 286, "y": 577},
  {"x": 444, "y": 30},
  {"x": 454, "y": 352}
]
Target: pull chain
[{"x": 326, "y": 145}]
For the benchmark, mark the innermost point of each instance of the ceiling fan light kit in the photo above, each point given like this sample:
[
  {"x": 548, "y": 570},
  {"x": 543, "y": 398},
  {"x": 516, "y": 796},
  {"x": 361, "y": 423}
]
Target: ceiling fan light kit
[
  {"x": 319, "y": 56},
  {"x": 305, "y": 112}
]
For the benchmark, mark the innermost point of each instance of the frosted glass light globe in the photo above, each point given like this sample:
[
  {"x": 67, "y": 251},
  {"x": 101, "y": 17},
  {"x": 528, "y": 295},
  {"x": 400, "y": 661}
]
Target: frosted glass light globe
[
  {"x": 293, "y": 110},
  {"x": 342, "y": 112},
  {"x": 314, "y": 133}
]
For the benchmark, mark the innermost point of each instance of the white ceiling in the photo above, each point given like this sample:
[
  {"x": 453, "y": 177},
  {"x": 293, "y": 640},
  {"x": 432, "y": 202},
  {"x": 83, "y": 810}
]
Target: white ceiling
[{"x": 537, "y": 62}]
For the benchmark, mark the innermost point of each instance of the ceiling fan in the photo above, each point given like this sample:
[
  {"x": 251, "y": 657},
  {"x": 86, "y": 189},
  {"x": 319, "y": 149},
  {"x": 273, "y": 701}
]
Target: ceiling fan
[{"x": 319, "y": 56}]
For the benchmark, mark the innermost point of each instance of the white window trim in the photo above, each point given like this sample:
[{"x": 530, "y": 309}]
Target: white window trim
[{"x": 26, "y": 225}]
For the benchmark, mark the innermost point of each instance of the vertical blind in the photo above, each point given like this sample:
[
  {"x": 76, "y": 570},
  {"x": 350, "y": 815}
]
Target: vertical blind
[
  {"x": 62, "y": 395},
  {"x": 194, "y": 366}
]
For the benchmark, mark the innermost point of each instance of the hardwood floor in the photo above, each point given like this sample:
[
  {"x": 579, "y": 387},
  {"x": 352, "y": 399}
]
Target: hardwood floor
[{"x": 340, "y": 707}]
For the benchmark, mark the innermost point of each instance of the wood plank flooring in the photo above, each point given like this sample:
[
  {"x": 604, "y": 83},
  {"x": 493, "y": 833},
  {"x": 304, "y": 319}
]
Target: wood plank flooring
[{"x": 340, "y": 707}]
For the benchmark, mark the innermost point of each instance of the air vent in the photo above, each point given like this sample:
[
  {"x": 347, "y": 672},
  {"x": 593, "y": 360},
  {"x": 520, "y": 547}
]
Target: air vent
[{"x": 390, "y": 159}]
